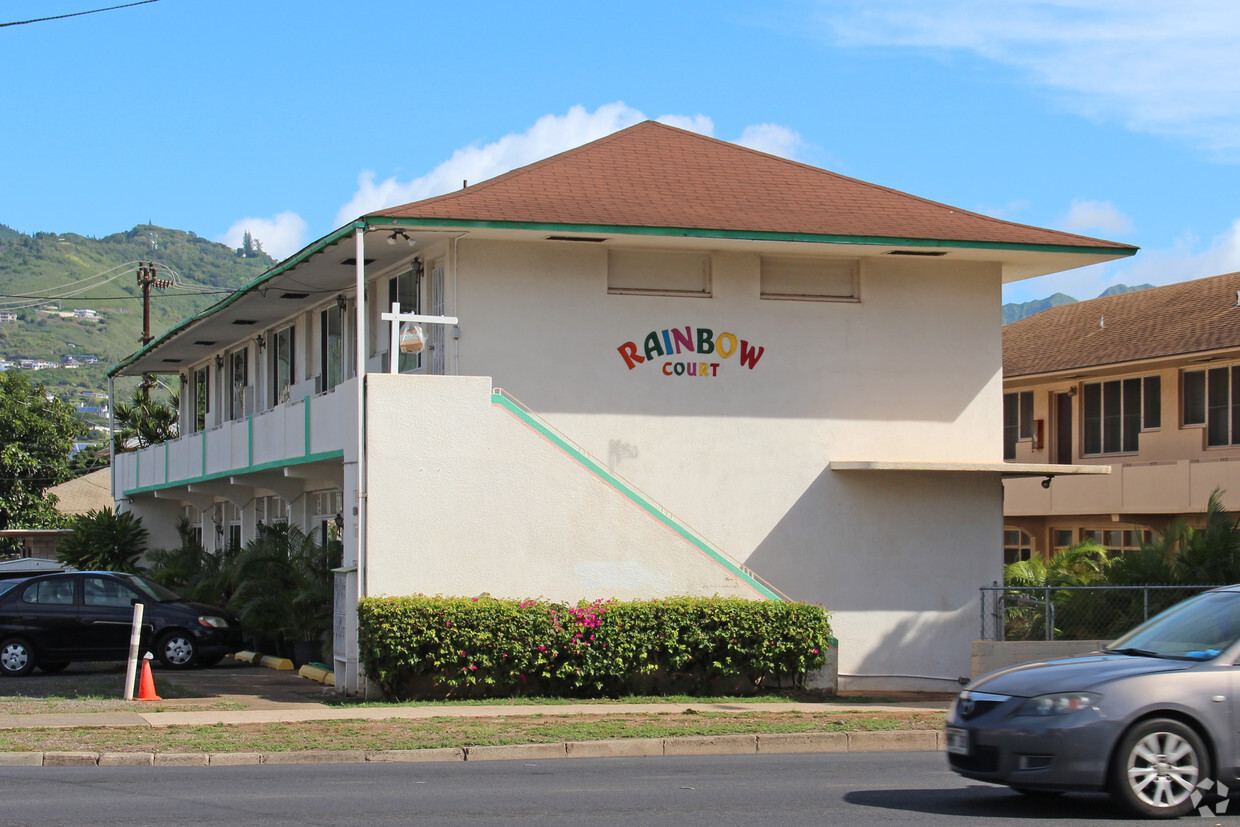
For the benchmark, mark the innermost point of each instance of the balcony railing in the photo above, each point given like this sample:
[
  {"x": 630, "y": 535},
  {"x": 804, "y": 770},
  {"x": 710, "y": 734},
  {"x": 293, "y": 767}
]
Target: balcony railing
[
  {"x": 290, "y": 433},
  {"x": 1168, "y": 487}
]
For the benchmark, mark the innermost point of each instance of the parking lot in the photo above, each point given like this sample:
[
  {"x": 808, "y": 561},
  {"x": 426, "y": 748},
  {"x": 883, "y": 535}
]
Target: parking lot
[{"x": 85, "y": 687}]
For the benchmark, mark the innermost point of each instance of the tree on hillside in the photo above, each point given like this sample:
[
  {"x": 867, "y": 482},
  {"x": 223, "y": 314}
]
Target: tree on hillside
[
  {"x": 36, "y": 436},
  {"x": 251, "y": 247}
]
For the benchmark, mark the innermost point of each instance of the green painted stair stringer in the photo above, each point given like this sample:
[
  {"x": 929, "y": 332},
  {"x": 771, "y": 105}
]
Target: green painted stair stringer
[{"x": 504, "y": 400}]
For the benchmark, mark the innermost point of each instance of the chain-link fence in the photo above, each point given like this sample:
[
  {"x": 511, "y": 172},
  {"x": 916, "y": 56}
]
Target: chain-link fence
[{"x": 1073, "y": 612}]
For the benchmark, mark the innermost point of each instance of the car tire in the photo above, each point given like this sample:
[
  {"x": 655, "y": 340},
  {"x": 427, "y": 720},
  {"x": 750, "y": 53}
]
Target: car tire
[
  {"x": 177, "y": 650},
  {"x": 1157, "y": 766},
  {"x": 53, "y": 666},
  {"x": 16, "y": 657}
]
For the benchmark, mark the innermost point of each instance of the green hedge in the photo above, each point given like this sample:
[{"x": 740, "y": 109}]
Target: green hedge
[{"x": 483, "y": 647}]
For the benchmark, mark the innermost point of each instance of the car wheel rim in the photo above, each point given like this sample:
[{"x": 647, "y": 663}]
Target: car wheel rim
[
  {"x": 1163, "y": 769},
  {"x": 178, "y": 650},
  {"x": 14, "y": 657}
]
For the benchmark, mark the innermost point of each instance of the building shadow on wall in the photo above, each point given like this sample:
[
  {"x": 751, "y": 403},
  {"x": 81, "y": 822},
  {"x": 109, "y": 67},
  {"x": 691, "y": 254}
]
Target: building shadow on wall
[{"x": 896, "y": 557}]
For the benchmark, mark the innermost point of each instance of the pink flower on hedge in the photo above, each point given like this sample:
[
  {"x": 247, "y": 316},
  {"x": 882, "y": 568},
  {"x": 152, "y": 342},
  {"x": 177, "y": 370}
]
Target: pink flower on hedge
[
  {"x": 815, "y": 651},
  {"x": 473, "y": 668}
]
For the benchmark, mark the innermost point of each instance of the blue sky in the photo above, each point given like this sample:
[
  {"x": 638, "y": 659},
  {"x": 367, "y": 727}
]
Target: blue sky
[{"x": 1113, "y": 118}]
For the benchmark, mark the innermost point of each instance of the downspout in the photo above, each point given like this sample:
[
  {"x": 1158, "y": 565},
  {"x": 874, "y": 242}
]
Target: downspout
[
  {"x": 359, "y": 236},
  {"x": 112, "y": 435}
]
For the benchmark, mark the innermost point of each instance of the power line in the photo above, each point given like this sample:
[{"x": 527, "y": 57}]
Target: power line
[{"x": 76, "y": 13}]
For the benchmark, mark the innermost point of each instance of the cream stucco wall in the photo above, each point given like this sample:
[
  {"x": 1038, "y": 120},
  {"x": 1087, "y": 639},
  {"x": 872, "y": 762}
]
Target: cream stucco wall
[
  {"x": 908, "y": 373},
  {"x": 465, "y": 498}
]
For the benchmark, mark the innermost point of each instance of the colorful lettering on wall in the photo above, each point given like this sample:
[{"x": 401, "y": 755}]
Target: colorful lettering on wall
[{"x": 674, "y": 351}]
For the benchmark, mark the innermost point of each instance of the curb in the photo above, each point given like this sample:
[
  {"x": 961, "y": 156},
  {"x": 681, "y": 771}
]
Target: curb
[{"x": 773, "y": 744}]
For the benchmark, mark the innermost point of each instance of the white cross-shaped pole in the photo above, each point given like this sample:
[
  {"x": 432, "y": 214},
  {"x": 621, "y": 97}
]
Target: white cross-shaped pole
[{"x": 396, "y": 317}]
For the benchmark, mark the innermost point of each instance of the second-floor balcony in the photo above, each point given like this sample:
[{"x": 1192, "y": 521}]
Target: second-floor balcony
[
  {"x": 1168, "y": 487},
  {"x": 299, "y": 432}
]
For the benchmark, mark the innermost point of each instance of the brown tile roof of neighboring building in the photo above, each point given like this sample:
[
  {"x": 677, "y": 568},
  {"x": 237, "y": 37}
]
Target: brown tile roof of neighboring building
[
  {"x": 1190, "y": 317},
  {"x": 656, "y": 176},
  {"x": 88, "y": 492}
]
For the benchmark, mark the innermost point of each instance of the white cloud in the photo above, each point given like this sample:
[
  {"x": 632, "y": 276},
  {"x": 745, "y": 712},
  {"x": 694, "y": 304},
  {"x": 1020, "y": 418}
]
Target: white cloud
[
  {"x": 549, "y": 135},
  {"x": 1183, "y": 261},
  {"x": 1164, "y": 68},
  {"x": 772, "y": 139},
  {"x": 281, "y": 236},
  {"x": 1096, "y": 216}
]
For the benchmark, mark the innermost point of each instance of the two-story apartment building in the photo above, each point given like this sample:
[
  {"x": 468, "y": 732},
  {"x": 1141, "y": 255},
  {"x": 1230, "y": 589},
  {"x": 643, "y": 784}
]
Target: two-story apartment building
[
  {"x": 656, "y": 364},
  {"x": 1147, "y": 382}
]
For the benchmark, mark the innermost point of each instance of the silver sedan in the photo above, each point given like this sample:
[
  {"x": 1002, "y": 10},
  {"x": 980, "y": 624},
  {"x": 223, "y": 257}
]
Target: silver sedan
[{"x": 1152, "y": 719}]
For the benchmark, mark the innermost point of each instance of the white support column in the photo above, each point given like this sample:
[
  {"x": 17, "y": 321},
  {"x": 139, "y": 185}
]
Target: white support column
[{"x": 359, "y": 236}]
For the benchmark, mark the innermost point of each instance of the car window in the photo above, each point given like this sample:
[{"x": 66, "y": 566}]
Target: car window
[
  {"x": 1197, "y": 629},
  {"x": 150, "y": 588},
  {"x": 50, "y": 592},
  {"x": 103, "y": 591}
]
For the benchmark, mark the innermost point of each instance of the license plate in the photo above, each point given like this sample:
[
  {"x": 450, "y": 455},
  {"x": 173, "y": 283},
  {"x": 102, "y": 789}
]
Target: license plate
[{"x": 957, "y": 741}]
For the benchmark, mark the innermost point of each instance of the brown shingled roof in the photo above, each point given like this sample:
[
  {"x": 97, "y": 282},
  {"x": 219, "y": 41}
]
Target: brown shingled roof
[
  {"x": 1190, "y": 317},
  {"x": 656, "y": 176}
]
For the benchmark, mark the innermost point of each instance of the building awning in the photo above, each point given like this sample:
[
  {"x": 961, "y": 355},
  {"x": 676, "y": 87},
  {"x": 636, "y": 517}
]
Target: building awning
[{"x": 1006, "y": 469}]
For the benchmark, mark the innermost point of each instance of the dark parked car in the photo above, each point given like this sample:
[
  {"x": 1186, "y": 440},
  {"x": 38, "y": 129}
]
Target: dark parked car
[
  {"x": 1150, "y": 719},
  {"x": 52, "y": 620}
]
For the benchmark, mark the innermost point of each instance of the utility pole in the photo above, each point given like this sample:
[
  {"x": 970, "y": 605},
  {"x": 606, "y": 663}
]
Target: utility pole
[{"x": 147, "y": 279}]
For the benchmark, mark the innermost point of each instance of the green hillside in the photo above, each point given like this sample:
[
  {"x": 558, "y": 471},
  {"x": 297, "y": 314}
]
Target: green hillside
[
  {"x": 46, "y": 272},
  {"x": 1015, "y": 311}
]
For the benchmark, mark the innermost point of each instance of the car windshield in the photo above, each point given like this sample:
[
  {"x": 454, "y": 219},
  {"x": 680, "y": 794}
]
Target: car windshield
[
  {"x": 150, "y": 588},
  {"x": 1197, "y": 629}
]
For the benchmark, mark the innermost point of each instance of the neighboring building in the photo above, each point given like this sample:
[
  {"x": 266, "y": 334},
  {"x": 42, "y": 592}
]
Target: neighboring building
[
  {"x": 1146, "y": 382},
  {"x": 89, "y": 492},
  {"x": 7, "y": 316},
  {"x": 651, "y": 332}
]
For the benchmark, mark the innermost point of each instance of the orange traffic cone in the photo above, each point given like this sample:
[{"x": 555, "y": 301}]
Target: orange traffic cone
[{"x": 146, "y": 687}]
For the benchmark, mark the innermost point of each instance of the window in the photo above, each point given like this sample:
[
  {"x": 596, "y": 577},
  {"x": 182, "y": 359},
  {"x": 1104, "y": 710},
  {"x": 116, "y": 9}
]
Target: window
[
  {"x": 1017, "y": 420},
  {"x": 104, "y": 591},
  {"x": 809, "y": 279},
  {"x": 1116, "y": 412},
  {"x": 406, "y": 289},
  {"x": 325, "y": 507},
  {"x": 282, "y": 366},
  {"x": 270, "y": 510},
  {"x": 1063, "y": 538},
  {"x": 658, "y": 273},
  {"x": 331, "y": 358},
  {"x": 199, "y": 399},
  {"x": 1212, "y": 398},
  {"x": 238, "y": 379},
  {"x": 56, "y": 592},
  {"x": 193, "y": 524},
  {"x": 1017, "y": 546},
  {"x": 1117, "y": 540}
]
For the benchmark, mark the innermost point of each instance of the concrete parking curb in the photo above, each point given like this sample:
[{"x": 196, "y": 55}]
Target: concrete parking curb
[{"x": 800, "y": 742}]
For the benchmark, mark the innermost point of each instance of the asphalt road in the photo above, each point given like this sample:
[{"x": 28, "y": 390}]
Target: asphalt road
[{"x": 835, "y": 789}]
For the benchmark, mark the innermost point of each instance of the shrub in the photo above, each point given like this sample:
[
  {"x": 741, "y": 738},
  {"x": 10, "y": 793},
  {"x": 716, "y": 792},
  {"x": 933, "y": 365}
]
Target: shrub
[
  {"x": 104, "y": 541},
  {"x": 483, "y": 647}
]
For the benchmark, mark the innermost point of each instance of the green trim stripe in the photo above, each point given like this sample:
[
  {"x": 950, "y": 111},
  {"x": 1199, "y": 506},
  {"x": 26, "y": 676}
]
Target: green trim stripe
[
  {"x": 627, "y": 491},
  {"x": 758, "y": 235},
  {"x": 249, "y": 469}
]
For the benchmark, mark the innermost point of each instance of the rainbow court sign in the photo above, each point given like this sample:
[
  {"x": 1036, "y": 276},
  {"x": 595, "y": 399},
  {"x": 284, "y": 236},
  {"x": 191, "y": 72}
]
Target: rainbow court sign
[{"x": 689, "y": 351}]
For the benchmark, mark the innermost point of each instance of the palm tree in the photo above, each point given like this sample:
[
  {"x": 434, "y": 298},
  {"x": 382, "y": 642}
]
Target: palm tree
[
  {"x": 145, "y": 421},
  {"x": 1083, "y": 564}
]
